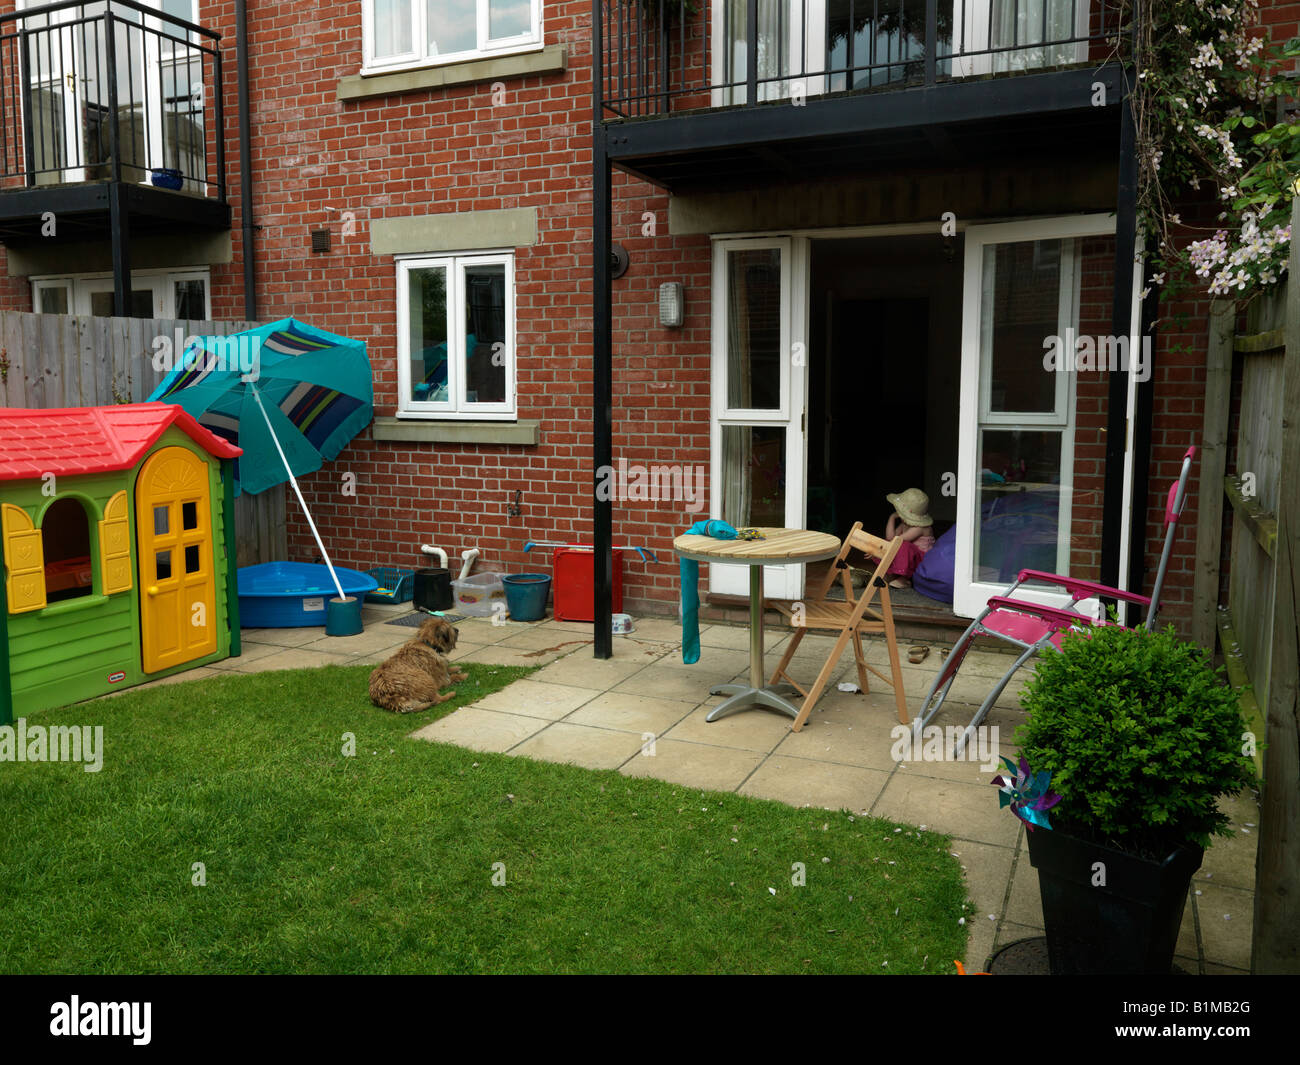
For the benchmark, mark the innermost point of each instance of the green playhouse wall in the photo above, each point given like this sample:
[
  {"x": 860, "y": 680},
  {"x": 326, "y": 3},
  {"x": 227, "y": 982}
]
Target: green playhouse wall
[{"x": 66, "y": 652}]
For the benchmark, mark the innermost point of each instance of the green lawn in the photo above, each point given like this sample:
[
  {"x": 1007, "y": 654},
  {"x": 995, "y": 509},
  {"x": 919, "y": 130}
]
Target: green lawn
[{"x": 383, "y": 862}]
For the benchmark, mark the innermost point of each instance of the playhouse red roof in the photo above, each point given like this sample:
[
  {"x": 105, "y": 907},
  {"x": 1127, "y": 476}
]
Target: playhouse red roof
[{"x": 76, "y": 440}]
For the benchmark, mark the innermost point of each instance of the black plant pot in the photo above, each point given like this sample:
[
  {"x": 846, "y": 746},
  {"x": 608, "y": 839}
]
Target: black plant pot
[{"x": 1129, "y": 925}]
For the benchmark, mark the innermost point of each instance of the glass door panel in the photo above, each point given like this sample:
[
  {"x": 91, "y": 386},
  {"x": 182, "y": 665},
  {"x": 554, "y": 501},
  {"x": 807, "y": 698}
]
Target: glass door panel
[
  {"x": 1015, "y": 485},
  {"x": 54, "y": 89},
  {"x": 873, "y": 44},
  {"x": 759, "y": 332},
  {"x": 753, "y": 475},
  {"x": 53, "y": 297},
  {"x": 997, "y": 36},
  {"x": 790, "y": 43},
  {"x": 753, "y": 324}
]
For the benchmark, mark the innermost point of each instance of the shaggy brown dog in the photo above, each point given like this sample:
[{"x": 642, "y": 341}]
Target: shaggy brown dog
[{"x": 409, "y": 681}]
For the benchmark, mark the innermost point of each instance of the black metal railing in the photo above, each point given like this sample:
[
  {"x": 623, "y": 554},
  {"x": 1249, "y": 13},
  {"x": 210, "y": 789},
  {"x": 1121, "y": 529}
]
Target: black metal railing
[
  {"x": 659, "y": 56},
  {"x": 93, "y": 91}
]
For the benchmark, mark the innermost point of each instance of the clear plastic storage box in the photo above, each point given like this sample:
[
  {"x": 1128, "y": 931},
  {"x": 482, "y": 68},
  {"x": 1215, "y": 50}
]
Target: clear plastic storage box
[{"x": 477, "y": 593}]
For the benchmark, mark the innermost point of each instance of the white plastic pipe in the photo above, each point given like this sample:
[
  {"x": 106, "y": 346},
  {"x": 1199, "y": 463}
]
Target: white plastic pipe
[
  {"x": 467, "y": 557},
  {"x": 429, "y": 549}
]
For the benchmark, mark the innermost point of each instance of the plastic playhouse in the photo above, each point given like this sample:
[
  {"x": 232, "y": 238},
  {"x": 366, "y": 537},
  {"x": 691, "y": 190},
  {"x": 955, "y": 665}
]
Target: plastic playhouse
[{"x": 118, "y": 551}]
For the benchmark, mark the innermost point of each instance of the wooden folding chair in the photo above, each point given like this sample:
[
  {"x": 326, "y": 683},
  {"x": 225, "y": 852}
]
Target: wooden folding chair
[{"x": 850, "y": 618}]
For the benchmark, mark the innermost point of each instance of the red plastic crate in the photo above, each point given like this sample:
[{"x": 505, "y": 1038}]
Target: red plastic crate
[{"x": 575, "y": 584}]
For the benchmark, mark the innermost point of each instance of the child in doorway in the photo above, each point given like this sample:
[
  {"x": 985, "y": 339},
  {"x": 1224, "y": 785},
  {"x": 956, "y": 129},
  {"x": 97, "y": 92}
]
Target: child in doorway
[{"x": 911, "y": 519}]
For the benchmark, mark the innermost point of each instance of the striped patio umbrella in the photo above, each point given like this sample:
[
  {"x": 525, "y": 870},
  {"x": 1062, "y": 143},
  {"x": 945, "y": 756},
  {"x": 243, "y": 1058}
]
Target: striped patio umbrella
[
  {"x": 291, "y": 396},
  {"x": 315, "y": 387}
]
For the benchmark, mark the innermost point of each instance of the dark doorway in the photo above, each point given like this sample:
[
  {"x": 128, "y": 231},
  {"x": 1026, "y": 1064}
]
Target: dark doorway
[
  {"x": 885, "y": 334},
  {"x": 877, "y": 404}
]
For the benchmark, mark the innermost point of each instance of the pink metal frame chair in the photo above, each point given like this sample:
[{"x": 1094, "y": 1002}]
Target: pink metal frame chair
[{"x": 1032, "y": 627}]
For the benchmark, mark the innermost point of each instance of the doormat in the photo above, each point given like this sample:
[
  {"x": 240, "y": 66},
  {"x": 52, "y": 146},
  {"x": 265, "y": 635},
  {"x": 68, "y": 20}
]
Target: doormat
[{"x": 414, "y": 621}]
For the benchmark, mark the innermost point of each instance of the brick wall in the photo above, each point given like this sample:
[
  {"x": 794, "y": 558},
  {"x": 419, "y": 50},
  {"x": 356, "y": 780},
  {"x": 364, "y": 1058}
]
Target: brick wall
[{"x": 453, "y": 150}]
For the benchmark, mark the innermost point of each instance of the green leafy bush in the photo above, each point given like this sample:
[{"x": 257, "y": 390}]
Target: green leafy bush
[{"x": 1141, "y": 737}]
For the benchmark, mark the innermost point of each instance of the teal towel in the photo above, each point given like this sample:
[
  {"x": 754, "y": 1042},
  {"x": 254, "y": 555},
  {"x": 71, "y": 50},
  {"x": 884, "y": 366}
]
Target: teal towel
[{"x": 690, "y": 578}]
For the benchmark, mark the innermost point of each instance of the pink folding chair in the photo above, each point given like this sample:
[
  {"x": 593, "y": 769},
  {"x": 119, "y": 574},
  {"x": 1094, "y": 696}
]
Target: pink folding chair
[{"x": 1031, "y": 627}]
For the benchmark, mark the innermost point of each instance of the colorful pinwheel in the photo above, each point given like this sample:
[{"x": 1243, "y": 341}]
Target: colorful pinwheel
[{"x": 1027, "y": 793}]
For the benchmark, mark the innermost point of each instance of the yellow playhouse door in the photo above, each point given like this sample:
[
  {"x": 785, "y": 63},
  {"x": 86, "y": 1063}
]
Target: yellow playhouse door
[{"x": 177, "y": 581}]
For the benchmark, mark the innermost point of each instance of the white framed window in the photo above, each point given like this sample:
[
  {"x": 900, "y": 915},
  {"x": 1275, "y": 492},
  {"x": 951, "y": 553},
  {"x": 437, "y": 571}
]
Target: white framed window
[
  {"x": 456, "y": 336},
  {"x": 185, "y": 294},
  {"x": 411, "y": 33}
]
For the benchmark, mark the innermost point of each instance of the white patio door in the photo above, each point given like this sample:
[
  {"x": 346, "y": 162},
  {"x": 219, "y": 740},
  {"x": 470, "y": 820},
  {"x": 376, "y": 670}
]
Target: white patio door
[
  {"x": 54, "y": 83},
  {"x": 1016, "y": 450},
  {"x": 758, "y": 383}
]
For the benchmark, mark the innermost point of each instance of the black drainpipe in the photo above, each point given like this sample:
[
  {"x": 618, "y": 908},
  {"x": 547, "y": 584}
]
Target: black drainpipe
[{"x": 245, "y": 165}]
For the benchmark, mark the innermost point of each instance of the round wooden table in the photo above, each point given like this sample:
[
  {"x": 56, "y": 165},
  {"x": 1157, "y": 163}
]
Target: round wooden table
[{"x": 779, "y": 547}]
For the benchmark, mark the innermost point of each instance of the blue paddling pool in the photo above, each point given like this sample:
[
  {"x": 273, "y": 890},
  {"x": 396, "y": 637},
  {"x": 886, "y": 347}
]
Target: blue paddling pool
[{"x": 288, "y": 595}]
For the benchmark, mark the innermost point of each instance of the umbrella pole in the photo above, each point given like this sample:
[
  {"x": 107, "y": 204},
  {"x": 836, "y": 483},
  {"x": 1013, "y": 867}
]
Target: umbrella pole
[{"x": 296, "y": 490}]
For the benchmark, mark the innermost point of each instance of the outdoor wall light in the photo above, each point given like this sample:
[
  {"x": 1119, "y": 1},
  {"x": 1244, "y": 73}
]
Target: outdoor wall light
[
  {"x": 618, "y": 261},
  {"x": 672, "y": 304}
]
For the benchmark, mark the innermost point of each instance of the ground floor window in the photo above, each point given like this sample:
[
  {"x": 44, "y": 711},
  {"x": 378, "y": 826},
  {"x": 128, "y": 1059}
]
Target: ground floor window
[
  {"x": 455, "y": 329},
  {"x": 182, "y": 294}
]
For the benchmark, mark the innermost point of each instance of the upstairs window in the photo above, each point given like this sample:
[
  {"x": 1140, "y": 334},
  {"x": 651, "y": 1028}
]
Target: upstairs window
[{"x": 406, "y": 33}]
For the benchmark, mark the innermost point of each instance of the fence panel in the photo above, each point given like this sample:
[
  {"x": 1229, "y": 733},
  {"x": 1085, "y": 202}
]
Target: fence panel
[{"x": 64, "y": 360}]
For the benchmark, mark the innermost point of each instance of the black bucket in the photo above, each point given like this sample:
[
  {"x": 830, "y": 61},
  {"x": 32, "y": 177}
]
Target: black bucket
[{"x": 433, "y": 589}]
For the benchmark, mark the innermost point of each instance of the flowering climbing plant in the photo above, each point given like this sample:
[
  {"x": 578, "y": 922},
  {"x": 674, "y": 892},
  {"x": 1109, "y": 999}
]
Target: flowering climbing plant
[{"x": 1212, "y": 123}]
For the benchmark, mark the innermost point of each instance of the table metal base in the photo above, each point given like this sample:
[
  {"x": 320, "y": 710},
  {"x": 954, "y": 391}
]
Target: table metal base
[
  {"x": 768, "y": 697},
  {"x": 755, "y": 693}
]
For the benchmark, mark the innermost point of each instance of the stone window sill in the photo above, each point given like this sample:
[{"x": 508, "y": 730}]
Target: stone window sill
[
  {"x": 552, "y": 59},
  {"x": 412, "y": 430}
]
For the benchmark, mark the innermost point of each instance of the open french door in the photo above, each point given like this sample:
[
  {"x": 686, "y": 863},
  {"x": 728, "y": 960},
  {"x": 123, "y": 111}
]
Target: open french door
[
  {"x": 759, "y": 373},
  {"x": 1017, "y": 423}
]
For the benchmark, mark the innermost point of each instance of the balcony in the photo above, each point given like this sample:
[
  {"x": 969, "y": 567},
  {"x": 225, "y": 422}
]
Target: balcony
[
  {"x": 693, "y": 98},
  {"x": 102, "y": 100}
]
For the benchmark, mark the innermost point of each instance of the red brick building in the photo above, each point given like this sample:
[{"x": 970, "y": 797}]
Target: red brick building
[{"x": 873, "y": 225}]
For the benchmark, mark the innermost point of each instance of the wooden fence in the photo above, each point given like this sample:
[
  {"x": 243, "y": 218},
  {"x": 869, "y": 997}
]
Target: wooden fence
[
  {"x": 1251, "y": 469},
  {"x": 63, "y": 360}
]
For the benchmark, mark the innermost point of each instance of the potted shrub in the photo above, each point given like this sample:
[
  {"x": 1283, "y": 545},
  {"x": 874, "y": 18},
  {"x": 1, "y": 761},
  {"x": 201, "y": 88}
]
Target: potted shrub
[{"x": 1141, "y": 737}]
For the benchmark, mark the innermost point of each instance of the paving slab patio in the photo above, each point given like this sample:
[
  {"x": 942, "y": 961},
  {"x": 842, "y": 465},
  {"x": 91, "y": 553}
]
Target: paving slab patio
[{"x": 643, "y": 713}]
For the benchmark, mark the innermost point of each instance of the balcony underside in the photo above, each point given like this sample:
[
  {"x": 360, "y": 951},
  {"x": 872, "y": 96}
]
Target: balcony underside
[
  {"x": 999, "y": 118},
  {"x": 81, "y": 211}
]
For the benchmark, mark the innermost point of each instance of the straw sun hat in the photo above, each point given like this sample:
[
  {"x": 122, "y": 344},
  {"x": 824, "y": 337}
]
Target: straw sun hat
[{"x": 913, "y": 506}]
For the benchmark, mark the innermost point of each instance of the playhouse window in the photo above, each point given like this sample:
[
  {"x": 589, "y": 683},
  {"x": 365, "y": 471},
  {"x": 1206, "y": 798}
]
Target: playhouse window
[
  {"x": 189, "y": 516},
  {"x": 65, "y": 535}
]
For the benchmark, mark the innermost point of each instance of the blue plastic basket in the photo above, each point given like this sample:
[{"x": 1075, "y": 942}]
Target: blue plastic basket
[{"x": 395, "y": 585}]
